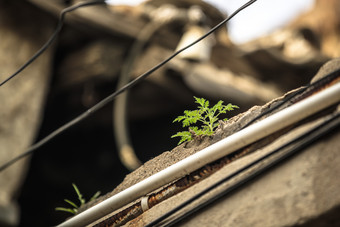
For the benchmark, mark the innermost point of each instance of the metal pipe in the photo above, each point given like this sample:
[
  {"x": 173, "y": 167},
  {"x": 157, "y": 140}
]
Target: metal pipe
[{"x": 252, "y": 133}]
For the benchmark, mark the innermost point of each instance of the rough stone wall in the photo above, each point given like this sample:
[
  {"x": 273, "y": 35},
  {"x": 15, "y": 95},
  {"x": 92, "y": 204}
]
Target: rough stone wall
[
  {"x": 300, "y": 191},
  {"x": 21, "y": 33}
]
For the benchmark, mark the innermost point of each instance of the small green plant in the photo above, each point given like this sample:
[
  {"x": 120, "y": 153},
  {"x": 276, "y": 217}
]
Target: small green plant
[
  {"x": 208, "y": 118},
  {"x": 82, "y": 201}
]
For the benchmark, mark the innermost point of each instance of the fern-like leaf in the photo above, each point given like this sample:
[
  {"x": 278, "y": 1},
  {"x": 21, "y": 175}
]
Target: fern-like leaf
[{"x": 208, "y": 118}]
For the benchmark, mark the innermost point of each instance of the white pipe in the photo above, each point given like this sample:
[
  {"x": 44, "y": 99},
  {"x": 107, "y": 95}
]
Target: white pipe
[{"x": 216, "y": 151}]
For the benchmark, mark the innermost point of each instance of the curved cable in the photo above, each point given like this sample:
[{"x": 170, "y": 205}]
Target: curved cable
[
  {"x": 126, "y": 152},
  {"x": 53, "y": 36},
  {"x": 109, "y": 98}
]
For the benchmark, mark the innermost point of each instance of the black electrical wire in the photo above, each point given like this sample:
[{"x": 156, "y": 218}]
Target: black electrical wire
[
  {"x": 53, "y": 36},
  {"x": 292, "y": 148},
  {"x": 275, "y": 107},
  {"x": 109, "y": 98},
  {"x": 296, "y": 96}
]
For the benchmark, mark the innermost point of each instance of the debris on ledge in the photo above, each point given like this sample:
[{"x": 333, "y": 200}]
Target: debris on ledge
[{"x": 301, "y": 191}]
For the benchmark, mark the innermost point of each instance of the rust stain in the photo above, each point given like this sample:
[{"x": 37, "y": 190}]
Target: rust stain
[{"x": 178, "y": 186}]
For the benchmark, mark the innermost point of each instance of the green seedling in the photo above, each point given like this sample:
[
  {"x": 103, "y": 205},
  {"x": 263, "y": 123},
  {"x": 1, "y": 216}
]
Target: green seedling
[
  {"x": 207, "y": 117},
  {"x": 82, "y": 201}
]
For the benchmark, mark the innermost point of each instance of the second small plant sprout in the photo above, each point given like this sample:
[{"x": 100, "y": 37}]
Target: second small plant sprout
[{"x": 82, "y": 201}]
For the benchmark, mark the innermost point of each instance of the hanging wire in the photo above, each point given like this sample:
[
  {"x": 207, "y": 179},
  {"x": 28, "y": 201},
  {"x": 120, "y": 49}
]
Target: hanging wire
[
  {"x": 53, "y": 37},
  {"x": 109, "y": 98}
]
